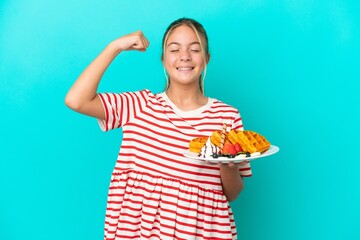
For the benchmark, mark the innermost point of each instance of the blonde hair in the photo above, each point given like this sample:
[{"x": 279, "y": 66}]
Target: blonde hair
[{"x": 204, "y": 45}]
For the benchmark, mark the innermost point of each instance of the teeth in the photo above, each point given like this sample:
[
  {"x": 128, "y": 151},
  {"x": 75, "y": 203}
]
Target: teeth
[{"x": 185, "y": 68}]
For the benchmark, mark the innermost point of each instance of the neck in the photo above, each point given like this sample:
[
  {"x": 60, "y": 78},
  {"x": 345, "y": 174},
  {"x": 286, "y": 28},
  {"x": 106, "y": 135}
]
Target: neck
[{"x": 186, "y": 99}]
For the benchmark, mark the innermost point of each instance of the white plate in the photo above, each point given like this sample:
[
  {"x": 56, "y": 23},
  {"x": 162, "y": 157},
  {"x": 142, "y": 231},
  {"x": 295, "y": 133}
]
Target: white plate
[{"x": 272, "y": 150}]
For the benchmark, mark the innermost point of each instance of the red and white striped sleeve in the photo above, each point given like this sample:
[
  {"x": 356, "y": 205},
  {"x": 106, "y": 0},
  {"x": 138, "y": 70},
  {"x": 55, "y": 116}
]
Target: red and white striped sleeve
[
  {"x": 237, "y": 122},
  {"x": 245, "y": 170},
  {"x": 119, "y": 108}
]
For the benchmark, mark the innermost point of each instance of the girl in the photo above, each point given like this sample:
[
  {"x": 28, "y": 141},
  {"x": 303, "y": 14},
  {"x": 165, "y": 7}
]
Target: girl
[{"x": 156, "y": 192}]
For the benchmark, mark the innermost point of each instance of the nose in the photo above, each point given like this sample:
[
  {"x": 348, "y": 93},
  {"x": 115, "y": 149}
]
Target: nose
[{"x": 185, "y": 56}]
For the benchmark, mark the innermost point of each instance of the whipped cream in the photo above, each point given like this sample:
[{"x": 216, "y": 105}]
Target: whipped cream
[
  {"x": 209, "y": 149},
  {"x": 255, "y": 154}
]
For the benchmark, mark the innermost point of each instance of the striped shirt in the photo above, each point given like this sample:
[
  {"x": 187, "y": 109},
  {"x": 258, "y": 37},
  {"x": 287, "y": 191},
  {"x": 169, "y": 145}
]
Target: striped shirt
[{"x": 155, "y": 191}]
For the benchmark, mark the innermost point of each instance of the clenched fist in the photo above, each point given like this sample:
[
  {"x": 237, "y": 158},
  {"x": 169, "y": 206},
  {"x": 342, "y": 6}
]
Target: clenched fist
[{"x": 132, "y": 41}]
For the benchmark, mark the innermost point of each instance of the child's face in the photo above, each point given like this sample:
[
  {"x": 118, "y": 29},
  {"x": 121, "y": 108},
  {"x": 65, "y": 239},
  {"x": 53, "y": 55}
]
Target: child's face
[{"x": 183, "y": 58}]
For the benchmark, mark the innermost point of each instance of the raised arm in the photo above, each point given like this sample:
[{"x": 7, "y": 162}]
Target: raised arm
[{"x": 82, "y": 96}]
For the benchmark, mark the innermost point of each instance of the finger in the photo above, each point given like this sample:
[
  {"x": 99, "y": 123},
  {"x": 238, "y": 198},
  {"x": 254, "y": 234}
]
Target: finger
[
  {"x": 219, "y": 164},
  {"x": 227, "y": 164},
  {"x": 144, "y": 46},
  {"x": 243, "y": 163},
  {"x": 232, "y": 164},
  {"x": 144, "y": 41},
  {"x": 135, "y": 41},
  {"x": 147, "y": 43},
  {"x": 138, "y": 45},
  {"x": 209, "y": 162}
]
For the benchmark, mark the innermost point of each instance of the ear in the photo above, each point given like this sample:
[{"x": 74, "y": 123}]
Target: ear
[{"x": 207, "y": 58}]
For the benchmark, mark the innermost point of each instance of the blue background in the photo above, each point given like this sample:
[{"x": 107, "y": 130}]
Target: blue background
[{"x": 291, "y": 67}]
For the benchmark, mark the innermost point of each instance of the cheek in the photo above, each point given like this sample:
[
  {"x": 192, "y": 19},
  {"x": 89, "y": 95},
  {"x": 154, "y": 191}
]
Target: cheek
[
  {"x": 199, "y": 59},
  {"x": 168, "y": 62}
]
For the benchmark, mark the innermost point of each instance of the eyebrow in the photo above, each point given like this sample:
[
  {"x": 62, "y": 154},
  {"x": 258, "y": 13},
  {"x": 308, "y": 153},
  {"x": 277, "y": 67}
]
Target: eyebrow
[{"x": 176, "y": 43}]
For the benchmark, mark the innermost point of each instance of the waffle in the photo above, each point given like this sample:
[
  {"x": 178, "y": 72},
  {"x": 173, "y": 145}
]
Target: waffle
[
  {"x": 196, "y": 144},
  {"x": 249, "y": 141},
  {"x": 223, "y": 136},
  {"x": 216, "y": 138}
]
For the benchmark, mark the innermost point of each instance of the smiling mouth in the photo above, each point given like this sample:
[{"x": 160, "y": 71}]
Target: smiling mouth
[{"x": 184, "y": 68}]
